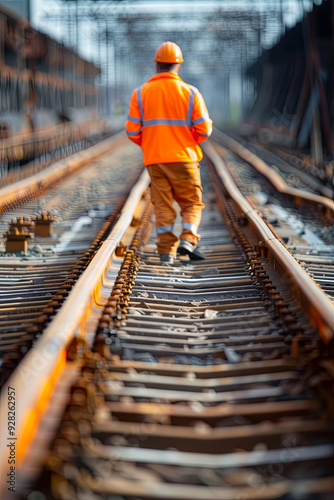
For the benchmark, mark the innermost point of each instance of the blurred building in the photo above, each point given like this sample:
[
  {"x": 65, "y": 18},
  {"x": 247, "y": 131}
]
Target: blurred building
[{"x": 20, "y": 6}]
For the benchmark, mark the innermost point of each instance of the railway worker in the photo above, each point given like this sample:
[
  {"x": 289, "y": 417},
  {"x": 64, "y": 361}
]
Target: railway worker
[{"x": 168, "y": 118}]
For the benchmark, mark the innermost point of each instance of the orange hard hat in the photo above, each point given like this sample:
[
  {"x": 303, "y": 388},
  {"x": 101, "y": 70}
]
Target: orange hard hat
[{"x": 169, "y": 52}]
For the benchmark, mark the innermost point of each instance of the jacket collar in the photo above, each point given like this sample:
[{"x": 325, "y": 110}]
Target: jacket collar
[{"x": 166, "y": 74}]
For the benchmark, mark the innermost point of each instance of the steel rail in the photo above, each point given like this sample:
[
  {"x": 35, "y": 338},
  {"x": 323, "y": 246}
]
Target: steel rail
[
  {"x": 179, "y": 400},
  {"x": 315, "y": 302},
  {"x": 117, "y": 485},
  {"x": 37, "y": 373},
  {"x": 56, "y": 171},
  {"x": 274, "y": 178}
]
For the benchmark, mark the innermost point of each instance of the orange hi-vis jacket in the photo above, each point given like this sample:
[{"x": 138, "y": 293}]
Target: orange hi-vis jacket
[{"x": 168, "y": 118}]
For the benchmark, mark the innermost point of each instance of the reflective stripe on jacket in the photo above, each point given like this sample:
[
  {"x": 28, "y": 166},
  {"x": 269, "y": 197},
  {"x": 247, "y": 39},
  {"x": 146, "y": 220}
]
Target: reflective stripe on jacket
[{"x": 168, "y": 118}]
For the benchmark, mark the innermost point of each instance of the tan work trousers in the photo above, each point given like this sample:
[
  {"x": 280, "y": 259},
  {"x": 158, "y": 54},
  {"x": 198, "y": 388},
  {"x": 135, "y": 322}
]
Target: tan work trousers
[{"x": 180, "y": 182}]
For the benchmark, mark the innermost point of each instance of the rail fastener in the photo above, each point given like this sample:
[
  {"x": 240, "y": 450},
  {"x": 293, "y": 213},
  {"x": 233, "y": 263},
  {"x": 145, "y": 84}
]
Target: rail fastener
[
  {"x": 22, "y": 222},
  {"x": 43, "y": 224},
  {"x": 17, "y": 239},
  {"x": 120, "y": 249}
]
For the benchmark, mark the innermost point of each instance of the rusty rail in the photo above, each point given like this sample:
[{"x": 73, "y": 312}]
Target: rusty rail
[
  {"x": 13, "y": 193},
  {"x": 315, "y": 302},
  {"x": 275, "y": 179},
  {"x": 34, "y": 379}
]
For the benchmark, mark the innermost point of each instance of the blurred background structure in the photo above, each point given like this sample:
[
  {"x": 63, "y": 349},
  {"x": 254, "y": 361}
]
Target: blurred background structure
[
  {"x": 264, "y": 62},
  {"x": 219, "y": 40},
  {"x": 20, "y": 6}
]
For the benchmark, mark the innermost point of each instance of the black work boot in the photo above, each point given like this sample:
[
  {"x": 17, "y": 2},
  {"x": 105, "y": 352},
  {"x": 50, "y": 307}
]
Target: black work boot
[
  {"x": 187, "y": 248},
  {"x": 166, "y": 259}
]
